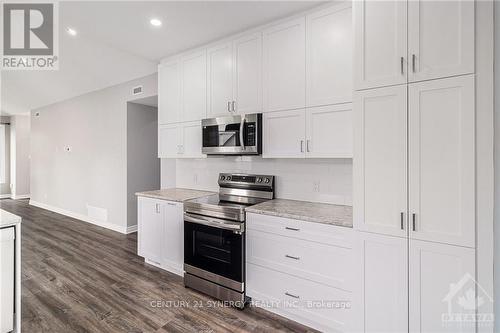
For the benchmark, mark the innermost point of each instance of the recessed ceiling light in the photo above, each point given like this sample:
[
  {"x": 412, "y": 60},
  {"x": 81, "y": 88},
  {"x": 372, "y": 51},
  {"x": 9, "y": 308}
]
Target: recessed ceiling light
[
  {"x": 71, "y": 31},
  {"x": 155, "y": 22}
]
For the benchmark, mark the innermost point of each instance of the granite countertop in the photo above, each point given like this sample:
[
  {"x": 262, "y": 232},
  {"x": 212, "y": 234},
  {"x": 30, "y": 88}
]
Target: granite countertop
[
  {"x": 175, "y": 194},
  {"x": 8, "y": 219},
  {"x": 338, "y": 215}
]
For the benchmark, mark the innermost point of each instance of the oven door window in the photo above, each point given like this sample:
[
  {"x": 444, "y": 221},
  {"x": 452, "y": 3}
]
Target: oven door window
[{"x": 214, "y": 250}]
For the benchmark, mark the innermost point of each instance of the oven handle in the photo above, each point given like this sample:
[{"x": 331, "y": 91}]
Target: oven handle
[
  {"x": 242, "y": 128},
  {"x": 216, "y": 223}
]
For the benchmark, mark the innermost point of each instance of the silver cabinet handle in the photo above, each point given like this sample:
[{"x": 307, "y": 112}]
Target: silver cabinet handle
[
  {"x": 402, "y": 221},
  {"x": 228, "y": 106},
  {"x": 402, "y": 66},
  {"x": 292, "y": 257},
  {"x": 292, "y": 229},
  {"x": 301, "y": 146},
  {"x": 414, "y": 218},
  {"x": 291, "y": 295},
  {"x": 307, "y": 146},
  {"x": 157, "y": 207},
  {"x": 233, "y": 106},
  {"x": 413, "y": 60}
]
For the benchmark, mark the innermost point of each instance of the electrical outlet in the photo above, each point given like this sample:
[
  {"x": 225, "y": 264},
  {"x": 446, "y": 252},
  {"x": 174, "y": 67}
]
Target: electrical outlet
[
  {"x": 316, "y": 187},
  {"x": 195, "y": 178}
]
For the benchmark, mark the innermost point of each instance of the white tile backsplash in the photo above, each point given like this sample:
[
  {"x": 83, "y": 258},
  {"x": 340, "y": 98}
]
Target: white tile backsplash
[{"x": 295, "y": 178}]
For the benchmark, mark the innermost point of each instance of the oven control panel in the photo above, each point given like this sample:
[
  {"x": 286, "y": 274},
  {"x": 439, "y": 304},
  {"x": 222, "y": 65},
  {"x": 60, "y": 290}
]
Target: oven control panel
[{"x": 228, "y": 179}]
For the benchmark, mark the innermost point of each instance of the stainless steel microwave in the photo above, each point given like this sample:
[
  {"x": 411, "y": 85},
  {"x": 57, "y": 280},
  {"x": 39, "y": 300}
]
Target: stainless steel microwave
[{"x": 233, "y": 135}]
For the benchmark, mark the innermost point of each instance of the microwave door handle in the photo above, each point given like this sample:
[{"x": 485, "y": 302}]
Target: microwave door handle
[{"x": 242, "y": 127}]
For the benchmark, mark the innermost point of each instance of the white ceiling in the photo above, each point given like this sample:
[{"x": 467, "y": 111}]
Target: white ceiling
[{"x": 116, "y": 43}]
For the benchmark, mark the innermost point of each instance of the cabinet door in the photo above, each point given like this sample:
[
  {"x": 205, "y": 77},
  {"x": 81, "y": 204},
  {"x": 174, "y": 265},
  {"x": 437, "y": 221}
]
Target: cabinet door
[
  {"x": 168, "y": 141},
  {"x": 220, "y": 80},
  {"x": 7, "y": 284},
  {"x": 150, "y": 229},
  {"x": 284, "y": 134},
  {"x": 379, "y": 43},
  {"x": 194, "y": 86},
  {"x": 380, "y": 166},
  {"x": 440, "y": 39},
  {"x": 168, "y": 92},
  {"x": 441, "y": 286},
  {"x": 329, "y": 131},
  {"x": 191, "y": 140},
  {"x": 248, "y": 73},
  {"x": 284, "y": 66},
  {"x": 441, "y": 157},
  {"x": 173, "y": 250},
  {"x": 383, "y": 291},
  {"x": 329, "y": 56}
]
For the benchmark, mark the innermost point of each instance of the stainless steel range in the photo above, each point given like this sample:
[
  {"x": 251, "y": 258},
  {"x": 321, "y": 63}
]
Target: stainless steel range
[{"x": 214, "y": 236}]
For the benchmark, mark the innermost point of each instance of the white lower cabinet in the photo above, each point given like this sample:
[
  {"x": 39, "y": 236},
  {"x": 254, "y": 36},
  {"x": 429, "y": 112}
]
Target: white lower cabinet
[
  {"x": 7, "y": 262},
  {"x": 383, "y": 289},
  {"x": 161, "y": 233},
  {"x": 442, "y": 288},
  {"x": 286, "y": 275},
  {"x": 182, "y": 140},
  {"x": 416, "y": 286}
]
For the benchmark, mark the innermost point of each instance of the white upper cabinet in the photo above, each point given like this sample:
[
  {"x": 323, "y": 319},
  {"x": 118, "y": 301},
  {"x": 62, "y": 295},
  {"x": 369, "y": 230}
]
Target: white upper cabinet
[
  {"x": 220, "y": 80},
  {"x": 247, "y": 66},
  {"x": 181, "y": 140},
  {"x": 380, "y": 45},
  {"x": 284, "y": 134},
  {"x": 380, "y": 166},
  {"x": 168, "y": 141},
  {"x": 442, "y": 283},
  {"x": 441, "y": 160},
  {"x": 440, "y": 38},
  {"x": 329, "y": 131},
  {"x": 284, "y": 66},
  {"x": 329, "y": 56},
  {"x": 194, "y": 86},
  {"x": 191, "y": 140},
  {"x": 169, "y": 86}
]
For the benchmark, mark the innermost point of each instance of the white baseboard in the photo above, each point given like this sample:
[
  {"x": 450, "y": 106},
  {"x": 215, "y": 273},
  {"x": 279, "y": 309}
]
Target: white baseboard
[
  {"x": 131, "y": 229},
  {"x": 21, "y": 196},
  {"x": 4, "y": 196},
  {"x": 81, "y": 217}
]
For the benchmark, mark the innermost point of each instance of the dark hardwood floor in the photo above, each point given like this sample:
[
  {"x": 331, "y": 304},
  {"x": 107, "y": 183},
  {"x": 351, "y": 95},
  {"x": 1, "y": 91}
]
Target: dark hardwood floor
[{"x": 77, "y": 277}]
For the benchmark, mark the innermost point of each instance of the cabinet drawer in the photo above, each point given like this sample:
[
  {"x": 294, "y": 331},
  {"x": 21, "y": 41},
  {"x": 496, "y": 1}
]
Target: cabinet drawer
[
  {"x": 315, "y": 232},
  {"x": 313, "y": 304},
  {"x": 302, "y": 258}
]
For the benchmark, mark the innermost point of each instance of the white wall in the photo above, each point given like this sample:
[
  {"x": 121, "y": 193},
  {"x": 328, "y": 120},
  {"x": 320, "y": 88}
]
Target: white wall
[
  {"x": 295, "y": 177},
  {"x": 20, "y": 156},
  {"x": 143, "y": 165},
  {"x": 5, "y": 187},
  {"x": 497, "y": 168},
  {"x": 90, "y": 181}
]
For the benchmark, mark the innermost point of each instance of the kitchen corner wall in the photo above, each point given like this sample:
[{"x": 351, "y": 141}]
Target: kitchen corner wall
[
  {"x": 317, "y": 180},
  {"x": 79, "y": 154}
]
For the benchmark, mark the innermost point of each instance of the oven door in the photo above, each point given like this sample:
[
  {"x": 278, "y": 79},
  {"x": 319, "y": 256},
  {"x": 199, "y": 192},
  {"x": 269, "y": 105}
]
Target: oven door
[{"x": 215, "y": 246}]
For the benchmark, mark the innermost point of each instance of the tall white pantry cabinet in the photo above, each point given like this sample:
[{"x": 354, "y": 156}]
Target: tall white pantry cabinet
[{"x": 414, "y": 164}]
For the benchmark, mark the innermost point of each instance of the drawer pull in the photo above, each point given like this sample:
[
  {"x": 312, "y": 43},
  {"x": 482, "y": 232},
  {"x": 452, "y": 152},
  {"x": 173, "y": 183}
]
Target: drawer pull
[
  {"x": 293, "y": 229},
  {"x": 292, "y": 257},
  {"x": 291, "y": 295}
]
